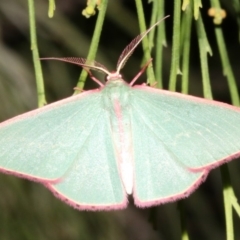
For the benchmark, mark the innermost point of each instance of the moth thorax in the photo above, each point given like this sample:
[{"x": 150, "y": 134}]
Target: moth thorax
[{"x": 114, "y": 76}]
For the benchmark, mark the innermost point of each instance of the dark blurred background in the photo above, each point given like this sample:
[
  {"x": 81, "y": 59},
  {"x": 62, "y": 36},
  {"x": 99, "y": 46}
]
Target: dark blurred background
[{"x": 28, "y": 210}]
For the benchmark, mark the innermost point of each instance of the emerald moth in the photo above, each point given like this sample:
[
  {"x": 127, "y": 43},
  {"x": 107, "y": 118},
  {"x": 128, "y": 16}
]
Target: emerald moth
[{"x": 94, "y": 149}]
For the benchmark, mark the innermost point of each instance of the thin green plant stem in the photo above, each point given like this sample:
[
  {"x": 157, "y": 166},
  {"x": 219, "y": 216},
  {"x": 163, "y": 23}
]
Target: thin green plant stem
[
  {"x": 51, "y": 8},
  {"x": 94, "y": 43},
  {"x": 175, "y": 45},
  {"x": 160, "y": 43},
  {"x": 204, "y": 49},
  {"x": 196, "y": 5},
  {"x": 234, "y": 202},
  {"x": 154, "y": 17},
  {"x": 35, "y": 54},
  {"x": 145, "y": 42},
  {"x": 227, "y": 190},
  {"x": 186, "y": 42},
  {"x": 185, "y": 4},
  {"x": 227, "y": 69}
]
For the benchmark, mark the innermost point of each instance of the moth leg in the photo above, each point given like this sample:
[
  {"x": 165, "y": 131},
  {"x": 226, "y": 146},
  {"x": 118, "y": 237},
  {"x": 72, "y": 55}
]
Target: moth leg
[{"x": 141, "y": 72}]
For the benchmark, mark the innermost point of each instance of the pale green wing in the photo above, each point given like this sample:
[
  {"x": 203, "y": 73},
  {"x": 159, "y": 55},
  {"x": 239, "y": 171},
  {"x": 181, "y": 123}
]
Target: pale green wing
[
  {"x": 68, "y": 147},
  {"x": 177, "y": 140}
]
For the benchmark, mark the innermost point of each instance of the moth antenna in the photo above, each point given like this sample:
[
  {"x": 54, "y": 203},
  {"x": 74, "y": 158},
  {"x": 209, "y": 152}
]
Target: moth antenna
[
  {"x": 82, "y": 62},
  {"x": 128, "y": 50}
]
